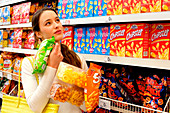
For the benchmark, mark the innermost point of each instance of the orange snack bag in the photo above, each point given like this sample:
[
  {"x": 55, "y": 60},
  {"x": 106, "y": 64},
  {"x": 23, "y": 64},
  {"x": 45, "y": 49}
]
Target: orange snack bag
[{"x": 91, "y": 91}]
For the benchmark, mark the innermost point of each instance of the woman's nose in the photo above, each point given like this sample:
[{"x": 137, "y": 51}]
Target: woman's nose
[{"x": 56, "y": 25}]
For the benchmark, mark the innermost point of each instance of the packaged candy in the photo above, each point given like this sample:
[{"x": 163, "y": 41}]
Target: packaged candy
[
  {"x": 11, "y": 39},
  {"x": 42, "y": 55},
  {"x": 140, "y": 81},
  {"x": 155, "y": 92},
  {"x": 65, "y": 92},
  {"x": 1, "y": 62},
  {"x": 24, "y": 12},
  {"x": 17, "y": 43},
  {"x": 91, "y": 90},
  {"x": 71, "y": 74}
]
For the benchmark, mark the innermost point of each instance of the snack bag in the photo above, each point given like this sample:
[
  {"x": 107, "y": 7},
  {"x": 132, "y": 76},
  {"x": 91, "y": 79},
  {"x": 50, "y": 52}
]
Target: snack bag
[
  {"x": 91, "y": 90},
  {"x": 60, "y": 91},
  {"x": 155, "y": 92},
  {"x": 65, "y": 92},
  {"x": 11, "y": 39},
  {"x": 42, "y": 55},
  {"x": 71, "y": 74}
]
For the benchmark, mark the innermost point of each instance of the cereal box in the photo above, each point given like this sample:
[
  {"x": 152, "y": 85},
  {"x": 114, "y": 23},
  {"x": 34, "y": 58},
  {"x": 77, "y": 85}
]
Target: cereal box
[
  {"x": 68, "y": 37},
  {"x": 159, "y": 37},
  {"x": 104, "y": 40},
  {"x": 1, "y": 16},
  {"x": 127, "y": 6},
  {"x": 100, "y": 7},
  {"x": 17, "y": 43},
  {"x": 30, "y": 40},
  {"x": 136, "y": 6},
  {"x": 11, "y": 38},
  {"x": 79, "y": 39},
  {"x": 117, "y": 39},
  {"x": 145, "y": 6},
  {"x": 76, "y": 8},
  {"x": 165, "y": 5},
  {"x": 92, "y": 40},
  {"x": 82, "y": 11},
  {"x": 16, "y": 14},
  {"x": 63, "y": 9},
  {"x": 6, "y": 15},
  {"x": 137, "y": 40},
  {"x": 114, "y": 7},
  {"x": 1, "y": 38},
  {"x": 155, "y": 5},
  {"x": 24, "y": 14},
  {"x": 88, "y": 12}
]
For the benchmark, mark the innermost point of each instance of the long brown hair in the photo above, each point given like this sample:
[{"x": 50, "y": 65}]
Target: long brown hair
[{"x": 69, "y": 56}]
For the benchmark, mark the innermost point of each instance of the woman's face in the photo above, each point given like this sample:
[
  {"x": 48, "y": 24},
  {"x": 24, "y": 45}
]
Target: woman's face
[{"x": 50, "y": 25}]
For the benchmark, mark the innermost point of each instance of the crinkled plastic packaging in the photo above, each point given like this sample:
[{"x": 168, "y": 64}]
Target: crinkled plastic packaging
[
  {"x": 71, "y": 74},
  {"x": 41, "y": 57},
  {"x": 91, "y": 90},
  {"x": 65, "y": 92}
]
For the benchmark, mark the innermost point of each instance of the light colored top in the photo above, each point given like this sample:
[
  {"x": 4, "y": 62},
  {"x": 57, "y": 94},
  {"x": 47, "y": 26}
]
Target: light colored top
[{"x": 38, "y": 95}]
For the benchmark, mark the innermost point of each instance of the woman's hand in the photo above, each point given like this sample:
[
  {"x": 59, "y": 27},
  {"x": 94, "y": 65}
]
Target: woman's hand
[{"x": 55, "y": 56}]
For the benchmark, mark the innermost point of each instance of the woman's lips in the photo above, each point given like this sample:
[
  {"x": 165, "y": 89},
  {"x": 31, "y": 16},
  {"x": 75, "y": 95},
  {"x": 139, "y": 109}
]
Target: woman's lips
[{"x": 58, "y": 32}]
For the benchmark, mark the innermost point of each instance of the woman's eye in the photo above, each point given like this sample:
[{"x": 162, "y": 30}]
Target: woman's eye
[
  {"x": 48, "y": 23},
  {"x": 57, "y": 20}
]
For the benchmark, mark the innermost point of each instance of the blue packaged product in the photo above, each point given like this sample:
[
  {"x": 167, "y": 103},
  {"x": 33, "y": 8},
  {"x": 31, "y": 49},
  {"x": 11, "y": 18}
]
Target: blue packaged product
[
  {"x": 92, "y": 40},
  {"x": 79, "y": 40},
  {"x": 104, "y": 40},
  {"x": 100, "y": 7}
]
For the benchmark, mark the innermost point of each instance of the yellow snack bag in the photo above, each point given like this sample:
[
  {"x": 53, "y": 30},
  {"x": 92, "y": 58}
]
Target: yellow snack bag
[{"x": 71, "y": 74}]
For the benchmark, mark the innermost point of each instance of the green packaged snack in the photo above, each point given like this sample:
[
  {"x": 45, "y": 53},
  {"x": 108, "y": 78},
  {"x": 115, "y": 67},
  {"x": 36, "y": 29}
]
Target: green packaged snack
[{"x": 42, "y": 54}]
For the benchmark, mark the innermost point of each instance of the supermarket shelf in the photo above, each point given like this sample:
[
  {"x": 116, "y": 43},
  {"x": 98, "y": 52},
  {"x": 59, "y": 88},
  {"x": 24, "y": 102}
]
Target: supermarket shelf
[
  {"x": 9, "y": 75},
  {"x": 150, "y": 63},
  {"x": 156, "y": 16},
  {"x": 8, "y": 2},
  {"x": 16, "y": 50},
  {"x": 125, "y": 107},
  {"x": 16, "y": 25}
]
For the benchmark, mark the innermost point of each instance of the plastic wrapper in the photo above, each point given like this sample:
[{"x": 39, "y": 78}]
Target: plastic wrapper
[
  {"x": 91, "y": 91},
  {"x": 155, "y": 92},
  {"x": 71, "y": 74},
  {"x": 65, "y": 92},
  {"x": 41, "y": 57}
]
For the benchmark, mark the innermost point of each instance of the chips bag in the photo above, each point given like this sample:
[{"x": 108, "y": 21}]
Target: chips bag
[
  {"x": 1, "y": 62},
  {"x": 71, "y": 74},
  {"x": 91, "y": 90},
  {"x": 65, "y": 92},
  {"x": 155, "y": 92},
  {"x": 42, "y": 54}
]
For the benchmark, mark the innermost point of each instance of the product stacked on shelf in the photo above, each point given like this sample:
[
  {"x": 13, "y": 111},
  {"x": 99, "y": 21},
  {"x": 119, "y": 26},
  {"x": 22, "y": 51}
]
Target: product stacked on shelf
[
  {"x": 69, "y": 9},
  {"x": 121, "y": 83},
  {"x": 10, "y": 64},
  {"x": 18, "y": 38}
]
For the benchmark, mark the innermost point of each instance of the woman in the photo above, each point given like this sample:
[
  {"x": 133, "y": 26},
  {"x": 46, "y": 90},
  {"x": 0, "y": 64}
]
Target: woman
[{"x": 46, "y": 24}]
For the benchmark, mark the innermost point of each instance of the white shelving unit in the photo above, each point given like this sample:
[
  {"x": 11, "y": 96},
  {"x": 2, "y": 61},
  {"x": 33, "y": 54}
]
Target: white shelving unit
[
  {"x": 145, "y": 62},
  {"x": 16, "y": 50},
  {"x": 17, "y": 25},
  {"x": 8, "y": 2},
  {"x": 157, "y": 16}
]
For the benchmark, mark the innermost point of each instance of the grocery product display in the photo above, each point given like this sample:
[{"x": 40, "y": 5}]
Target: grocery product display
[{"x": 105, "y": 87}]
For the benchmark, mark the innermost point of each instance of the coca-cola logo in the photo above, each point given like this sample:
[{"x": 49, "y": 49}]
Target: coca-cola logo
[
  {"x": 117, "y": 34},
  {"x": 67, "y": 34},
  {"x": 163, "y": 33},
  {"x": 134, "y": 34}
]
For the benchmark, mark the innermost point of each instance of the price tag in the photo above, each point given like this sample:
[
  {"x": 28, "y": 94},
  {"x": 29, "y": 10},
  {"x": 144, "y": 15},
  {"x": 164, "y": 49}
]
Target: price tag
[
  {"x": 9, "y": 76},
  {"x": 1, "y": 74},
  {"x": 104, "y": 104},
  {"x": 109, "y": 19}
]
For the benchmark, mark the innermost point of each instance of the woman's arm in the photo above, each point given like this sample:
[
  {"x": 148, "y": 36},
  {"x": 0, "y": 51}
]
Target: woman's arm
[{"x": 36, "y": 95}]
